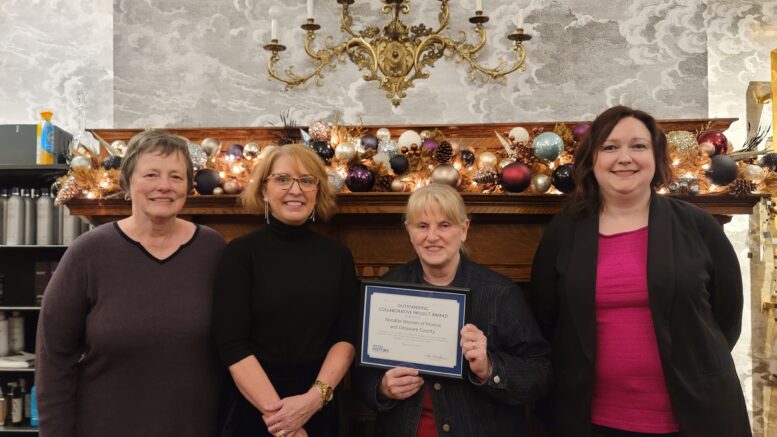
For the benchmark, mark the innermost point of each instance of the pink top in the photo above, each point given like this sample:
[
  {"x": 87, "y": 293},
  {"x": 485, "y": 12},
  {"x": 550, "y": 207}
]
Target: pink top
[{"x": 629, "y": 391}]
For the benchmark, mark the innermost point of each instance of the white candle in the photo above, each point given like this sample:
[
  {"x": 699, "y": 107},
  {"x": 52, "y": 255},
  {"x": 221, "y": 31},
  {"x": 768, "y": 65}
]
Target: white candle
[
  {"x": 478, "y": 5},
  {"x": 274, "y": 29},
  {"x": 519, "y": 19},
  {"x": 310, "y": 8}
]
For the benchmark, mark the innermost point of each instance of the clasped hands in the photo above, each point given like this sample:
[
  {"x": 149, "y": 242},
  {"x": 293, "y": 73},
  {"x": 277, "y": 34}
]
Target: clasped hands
[
  {"x": 286, "y": 417},
  {"x": 400, "y": 383}
]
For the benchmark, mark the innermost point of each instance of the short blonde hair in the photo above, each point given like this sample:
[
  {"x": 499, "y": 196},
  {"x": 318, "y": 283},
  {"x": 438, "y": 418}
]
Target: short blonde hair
[
  {"x": 446, "y": 197},
  {"x": 326, "y": 198}
]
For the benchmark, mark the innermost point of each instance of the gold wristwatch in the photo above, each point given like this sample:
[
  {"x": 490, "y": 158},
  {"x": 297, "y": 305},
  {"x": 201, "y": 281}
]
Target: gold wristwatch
[{"x": 327, "y": 392}]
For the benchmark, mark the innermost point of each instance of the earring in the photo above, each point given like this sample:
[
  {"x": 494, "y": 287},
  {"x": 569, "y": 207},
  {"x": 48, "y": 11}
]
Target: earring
[
  {"x": 313, "y": 216},
  {"x": 266, "y": 211},
  {"x": 127, "y": 197}
]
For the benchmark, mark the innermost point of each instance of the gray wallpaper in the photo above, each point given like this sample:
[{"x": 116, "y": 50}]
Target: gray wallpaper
[{"x": 49, "y": 51}]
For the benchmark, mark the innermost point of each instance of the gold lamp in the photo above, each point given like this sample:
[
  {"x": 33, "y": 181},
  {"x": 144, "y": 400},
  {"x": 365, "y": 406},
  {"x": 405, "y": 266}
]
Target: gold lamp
[{"x": 398, "y": 55}]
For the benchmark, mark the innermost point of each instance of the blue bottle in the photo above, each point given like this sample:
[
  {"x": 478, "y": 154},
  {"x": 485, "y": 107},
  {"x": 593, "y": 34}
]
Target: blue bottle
[{"x": 33, "y": 408}]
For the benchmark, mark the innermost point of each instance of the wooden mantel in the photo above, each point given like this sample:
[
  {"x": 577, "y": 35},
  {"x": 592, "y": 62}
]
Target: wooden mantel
[{"x": 505, "y": 230}]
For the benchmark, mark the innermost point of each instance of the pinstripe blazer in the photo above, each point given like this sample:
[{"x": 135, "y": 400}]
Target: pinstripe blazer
[
  {"x": 695, "y": 298},
  {"x": 466, "y": 408}
]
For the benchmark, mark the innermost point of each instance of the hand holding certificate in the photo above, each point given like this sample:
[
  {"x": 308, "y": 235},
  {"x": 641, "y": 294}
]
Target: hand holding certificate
[{"x": 413, "y": 326}]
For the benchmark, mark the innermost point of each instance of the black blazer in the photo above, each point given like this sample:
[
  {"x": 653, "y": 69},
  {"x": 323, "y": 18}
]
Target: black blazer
[{"x": 695, "y": 297}]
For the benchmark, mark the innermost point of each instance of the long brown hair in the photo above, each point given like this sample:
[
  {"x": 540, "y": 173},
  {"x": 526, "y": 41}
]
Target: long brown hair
[{"x": 586, "y": 198}]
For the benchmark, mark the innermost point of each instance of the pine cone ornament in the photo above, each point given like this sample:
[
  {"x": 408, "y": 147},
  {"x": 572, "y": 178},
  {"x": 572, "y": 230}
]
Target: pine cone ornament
[
  {"x": 69, "y": 190},
  {"x": 487, "y": 179},
  {"x": 443, "y": 153},
  {"x": 741, "y": 187},
  {"x": 383, "y": 182}
]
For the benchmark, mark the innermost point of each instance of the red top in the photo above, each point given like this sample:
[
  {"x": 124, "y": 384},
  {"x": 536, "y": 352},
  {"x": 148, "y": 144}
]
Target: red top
[
  {"x": 629, "y": 391},
  {"x": 427, "y": 426}
]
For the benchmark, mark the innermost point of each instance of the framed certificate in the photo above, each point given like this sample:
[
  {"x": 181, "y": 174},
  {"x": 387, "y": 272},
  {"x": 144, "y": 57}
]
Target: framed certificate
[{"x": 413, "y": 325}]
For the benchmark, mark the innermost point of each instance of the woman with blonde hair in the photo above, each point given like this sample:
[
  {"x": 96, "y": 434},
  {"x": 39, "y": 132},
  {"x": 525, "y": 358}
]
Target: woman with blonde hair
[
  {"x": 285, "y": 303},
  {"x": 508, "y": 358}
]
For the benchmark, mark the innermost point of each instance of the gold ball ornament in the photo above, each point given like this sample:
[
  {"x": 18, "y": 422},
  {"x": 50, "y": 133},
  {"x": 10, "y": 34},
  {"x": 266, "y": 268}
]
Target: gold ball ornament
[
  {"x": 487, "y": 160},
  {"x": 345, "y": 151},
  {"x": 211, "y": 146},
  {"x": 398, "y": 186},
  {"x": 424, "y": 135},
  {"x": 682, "y": 140},
  {"x": 540, "y": 183},
  {"x": 120, "y": 147},
  {"x": 218, "y": 191},
  {"x": 251, "y": 151},
  {"x": 446, "y": 174},
  {"x": 455, "y": 146},
  {"x": 754, "y": 173},
  {"x": 232, "y": 187},
  {"x": 505, "y": 162}
]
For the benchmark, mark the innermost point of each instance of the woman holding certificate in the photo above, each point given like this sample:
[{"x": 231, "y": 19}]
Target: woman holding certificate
[
  {"x": 507, "y": 356},
  {"x": 285, "y": 304},
  {"x": 641, "y": 294}
]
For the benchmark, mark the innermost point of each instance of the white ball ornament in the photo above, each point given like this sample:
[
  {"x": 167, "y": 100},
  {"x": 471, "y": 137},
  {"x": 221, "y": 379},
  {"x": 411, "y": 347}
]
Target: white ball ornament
[
  {"x": 408, "y": 138},
  {"x": 345, "y": 151},
  {"x": 754, "y": 173},
  {"x": 519, "y": 135}
]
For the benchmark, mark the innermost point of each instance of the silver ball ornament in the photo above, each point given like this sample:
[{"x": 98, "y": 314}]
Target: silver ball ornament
[
  {"x": 446, "y": 174},
  {"x": 345, "y": 151},
  {"x": 120, "y": 147},
  {"x": 251, "y": 151},
  {"x": 335, "y": 180},
  {"x": 197, "y": 155},
  {"x": 487, "y": 160},
  {"x": 398, "y": 186},
  {"x": 211, "y": 146},
  {"x": 425, "y": 134},
  {"x": 388, "y": 147},
  {"x": 80, "y": 161},
  {"x": 218, "y": 191},
  {"x": 382, "y": 158},
  {"x": 754, "y": 173},
  {"x": 540, "y": 183},
  {"x": 383, "y": 134}
]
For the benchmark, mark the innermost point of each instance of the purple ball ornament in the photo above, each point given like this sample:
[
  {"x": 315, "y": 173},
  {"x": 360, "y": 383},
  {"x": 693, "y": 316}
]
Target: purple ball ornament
[
  {"x": 467, "y": 157},
  {"x": 370, "y": 142},
  {"x": 516, "y": 177},
  {"x": 769, "y": 161},
  {"x": 428, "y": 145},
  {"x": 716, "y": 138},
  {"x": 723, "y": 170},
  {"x": 206, "y": 180},
  {"x": 579, "y": 130},
  {"x": 235, "y": 151},
  {"x": 360, "y": 179},
  {"x": 562, "y": 178}
]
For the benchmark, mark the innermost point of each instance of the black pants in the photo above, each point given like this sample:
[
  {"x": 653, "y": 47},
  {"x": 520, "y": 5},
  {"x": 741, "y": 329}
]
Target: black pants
[{"x": 603, "y": 431}]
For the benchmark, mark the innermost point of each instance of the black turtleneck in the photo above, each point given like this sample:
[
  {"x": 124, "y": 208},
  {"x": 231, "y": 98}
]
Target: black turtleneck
[{"x": 284, "y": 294}]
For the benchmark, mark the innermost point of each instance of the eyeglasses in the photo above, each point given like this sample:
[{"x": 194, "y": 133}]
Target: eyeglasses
[{"x": 284, "y": 181}]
